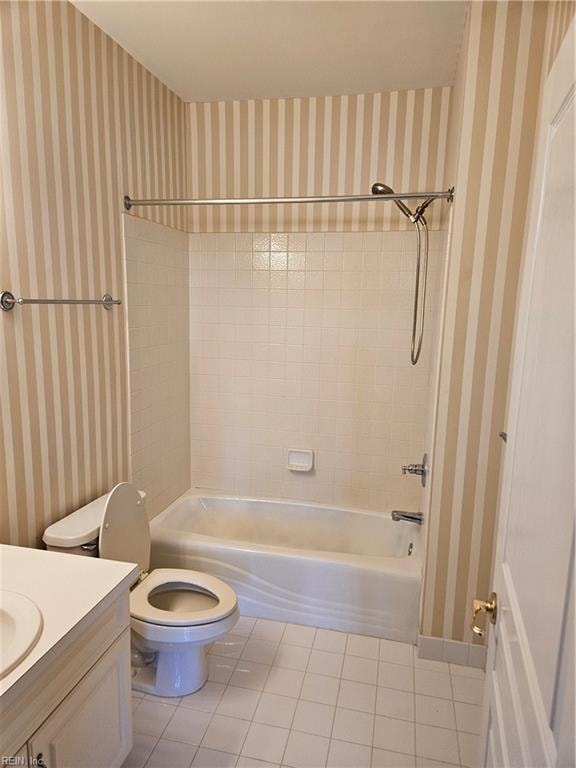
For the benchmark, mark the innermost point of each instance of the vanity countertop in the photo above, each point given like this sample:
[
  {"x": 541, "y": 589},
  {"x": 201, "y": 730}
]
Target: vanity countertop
[{"x": 66, "y": 588}]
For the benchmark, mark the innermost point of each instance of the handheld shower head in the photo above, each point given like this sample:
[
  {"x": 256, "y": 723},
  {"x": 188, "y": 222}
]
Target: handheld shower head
[{"x": 384, "y": 189}]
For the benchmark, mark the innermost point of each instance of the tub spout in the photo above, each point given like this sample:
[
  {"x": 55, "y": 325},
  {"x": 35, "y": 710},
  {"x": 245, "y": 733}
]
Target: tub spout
[{"x": 410, "y": 517}]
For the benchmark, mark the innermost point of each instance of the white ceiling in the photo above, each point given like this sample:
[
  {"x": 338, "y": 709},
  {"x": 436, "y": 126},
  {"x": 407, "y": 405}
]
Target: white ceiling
[{"x": 212, "y": 50}]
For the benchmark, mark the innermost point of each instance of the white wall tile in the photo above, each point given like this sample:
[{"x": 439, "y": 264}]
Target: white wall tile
[
  {"x": 304, "y": 341},
  {"x": 157, "y": 278}
]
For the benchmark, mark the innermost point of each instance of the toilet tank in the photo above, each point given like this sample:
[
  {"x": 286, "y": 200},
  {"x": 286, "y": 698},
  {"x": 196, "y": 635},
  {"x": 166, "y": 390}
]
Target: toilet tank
[{"x": 77, "y": 533}]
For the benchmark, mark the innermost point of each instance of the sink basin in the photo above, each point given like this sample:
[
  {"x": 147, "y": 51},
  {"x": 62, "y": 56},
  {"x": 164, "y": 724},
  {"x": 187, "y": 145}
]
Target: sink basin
[{"x": 20, "y": 628}]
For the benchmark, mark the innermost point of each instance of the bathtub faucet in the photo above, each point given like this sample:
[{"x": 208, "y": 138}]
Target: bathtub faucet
[{"x": 409, "y": 517}]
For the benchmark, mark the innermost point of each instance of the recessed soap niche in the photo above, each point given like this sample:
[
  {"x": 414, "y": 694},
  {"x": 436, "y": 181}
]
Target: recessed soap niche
[{"x": 300, "y": 459}]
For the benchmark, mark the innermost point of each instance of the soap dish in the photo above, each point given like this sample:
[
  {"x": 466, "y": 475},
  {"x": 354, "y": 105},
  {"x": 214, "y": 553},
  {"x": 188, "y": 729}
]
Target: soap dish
[{"x": 300, "y": 459}]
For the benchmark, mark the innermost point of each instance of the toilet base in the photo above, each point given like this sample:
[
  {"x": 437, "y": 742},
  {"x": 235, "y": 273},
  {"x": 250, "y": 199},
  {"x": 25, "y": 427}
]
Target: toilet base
[
  {"x": 180, "y": 663},
  {"x": 176, "y": 671}
]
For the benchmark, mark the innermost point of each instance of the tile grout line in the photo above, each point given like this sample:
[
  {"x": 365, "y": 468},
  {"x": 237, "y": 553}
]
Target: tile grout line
[{"x": 298, "y": 699}]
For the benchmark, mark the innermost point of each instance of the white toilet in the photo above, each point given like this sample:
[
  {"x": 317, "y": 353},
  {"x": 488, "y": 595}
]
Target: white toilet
[{"x": 175, "y": 613}]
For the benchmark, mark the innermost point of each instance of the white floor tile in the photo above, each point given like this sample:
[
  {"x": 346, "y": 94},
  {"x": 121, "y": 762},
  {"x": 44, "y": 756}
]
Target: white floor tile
[
  {"x": 432, "y": 684},
  {"x": 396, "y": 653},
  {"x": 172, "y": 700},
  {"x": 350, "y": 725},
  {"x": 469, "y": 748},
  {"x": 328, "y": 640},
  {"x": 394, "y": 735},
  {"x": 320, "y": 688},
  {"x": 275, "y": 710},
  {"x": 425, "y": 762},
  {"x": 437, "y": 743},
  {"x": 206, "y": 699},
  {"x": 187, "y": 725},
  {"x": 431, "y": 710},
  {"x": 432, "y": 666},
  {"x": 383, "y": 758},
  {"x": 262, "y": 651},
  {"x": 244, "y": 625},
  {"x": 296, "y": 634},
  {"x": 265, "y": 742},
  {"x": 250, "y": 674},
  {"x": 141, "y": 750},
  {"x": 251, "y": 762},
  {"x": 212, "y": 758},
  {"x": 360, "y": 645},
  {"x": 230, "y": 645},
  {"x": 171, "y": 754},
  {"x": 292, "y": 657},
  {"x": 306, "y": 751},
  {"x": 462, "y": 671},
  {"x": 220, "y": 669},
  {"x": 468, "y": 717},
  {"x": 396, "y": 704},
  {"x": 268, "y": 630},
  {"x": 299, "y": 697},
  {"x": 238, "y": 702},
  {"x": 360, "y": 670},
  {"x": 152, "y": 717},
  {"x": 284, "y": 682},
  {"x": 325, "y": 663},
  {"x": 314, "y": 718},
  {"x": 226, "y": 734},
  {"x": 360, "y": 696},
  {"x": 398, "y": 676},
  {"x": 343, "y": 754},
  {"x": 468, "y": 689}
]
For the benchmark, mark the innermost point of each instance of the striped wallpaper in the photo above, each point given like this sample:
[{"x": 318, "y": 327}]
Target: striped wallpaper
[
  {"x": 508, "y": 52},
  {"x": 81, "y": 123},
  {"x": 331, "y": 145}
]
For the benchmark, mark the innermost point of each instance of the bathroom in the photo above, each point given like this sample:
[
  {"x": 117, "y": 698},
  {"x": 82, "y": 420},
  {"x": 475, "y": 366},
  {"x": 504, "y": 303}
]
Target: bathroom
[{"x": 287, "y": 342}]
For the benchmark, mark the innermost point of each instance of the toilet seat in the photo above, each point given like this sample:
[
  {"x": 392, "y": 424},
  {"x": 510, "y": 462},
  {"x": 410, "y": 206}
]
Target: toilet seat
[{"x": 174, "y": 578}]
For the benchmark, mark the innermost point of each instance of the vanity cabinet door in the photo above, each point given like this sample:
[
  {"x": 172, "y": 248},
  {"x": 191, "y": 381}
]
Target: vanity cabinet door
[{"x": 92, "y": 727}]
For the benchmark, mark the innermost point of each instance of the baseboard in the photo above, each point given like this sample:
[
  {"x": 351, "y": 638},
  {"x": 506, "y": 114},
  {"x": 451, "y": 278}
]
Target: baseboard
[{"x": 452, "y": 651}]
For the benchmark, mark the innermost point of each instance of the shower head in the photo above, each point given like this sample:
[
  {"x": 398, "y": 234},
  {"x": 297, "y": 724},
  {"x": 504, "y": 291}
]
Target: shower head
[{"x": 384, "y": 189}]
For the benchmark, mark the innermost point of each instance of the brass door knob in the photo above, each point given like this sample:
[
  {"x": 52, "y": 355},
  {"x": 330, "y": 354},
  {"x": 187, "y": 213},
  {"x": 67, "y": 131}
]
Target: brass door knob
[{"x": 484, "y": 606}]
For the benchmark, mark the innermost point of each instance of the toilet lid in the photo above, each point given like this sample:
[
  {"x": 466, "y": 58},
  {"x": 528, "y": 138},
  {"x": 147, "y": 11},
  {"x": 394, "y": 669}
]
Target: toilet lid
[
  {"x": 169, "y": 582},
  {"x": 124, "y": 530}
]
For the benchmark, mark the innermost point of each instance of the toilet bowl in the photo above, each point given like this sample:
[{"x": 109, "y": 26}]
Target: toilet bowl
[{"x": 175, "y": 613}]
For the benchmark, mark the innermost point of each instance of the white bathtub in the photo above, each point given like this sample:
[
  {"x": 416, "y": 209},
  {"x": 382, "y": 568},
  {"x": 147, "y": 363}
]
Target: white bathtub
[{"x": 343, "y": 569}]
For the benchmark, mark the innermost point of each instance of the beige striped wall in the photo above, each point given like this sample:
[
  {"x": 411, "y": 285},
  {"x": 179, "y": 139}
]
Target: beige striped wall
[
  {"x": 332, "y": 145},
  {"x": 508, "y": 51},
  {"x": 81, "y": 123}
]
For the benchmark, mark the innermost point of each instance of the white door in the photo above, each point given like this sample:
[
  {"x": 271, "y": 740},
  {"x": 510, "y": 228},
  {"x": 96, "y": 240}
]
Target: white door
[{"x": 529, "y": 706}]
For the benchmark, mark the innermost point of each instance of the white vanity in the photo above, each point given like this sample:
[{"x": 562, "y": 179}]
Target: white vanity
[{"x": 67, "y": 701}]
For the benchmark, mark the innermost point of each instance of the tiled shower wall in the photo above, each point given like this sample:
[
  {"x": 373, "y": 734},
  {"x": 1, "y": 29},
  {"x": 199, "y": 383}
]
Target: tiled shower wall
[
  {"x": 158, "y": 331},
  {"x": 303, "y": 341}
]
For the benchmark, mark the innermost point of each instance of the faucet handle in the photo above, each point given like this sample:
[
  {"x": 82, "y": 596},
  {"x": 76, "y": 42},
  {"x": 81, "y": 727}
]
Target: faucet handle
[{"x": 417, "y": 469}]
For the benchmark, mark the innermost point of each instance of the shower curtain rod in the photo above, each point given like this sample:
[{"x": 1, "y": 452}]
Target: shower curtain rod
[{"x": 447, "y": 195}]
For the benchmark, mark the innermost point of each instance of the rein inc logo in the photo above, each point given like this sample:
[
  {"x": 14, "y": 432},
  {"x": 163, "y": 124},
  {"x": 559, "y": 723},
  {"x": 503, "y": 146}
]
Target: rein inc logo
[{"x": 22, "y": 760}]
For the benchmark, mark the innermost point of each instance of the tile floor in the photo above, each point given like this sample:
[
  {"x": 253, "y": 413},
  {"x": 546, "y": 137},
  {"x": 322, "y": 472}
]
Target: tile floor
[{"x": 287, "y": 695}]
